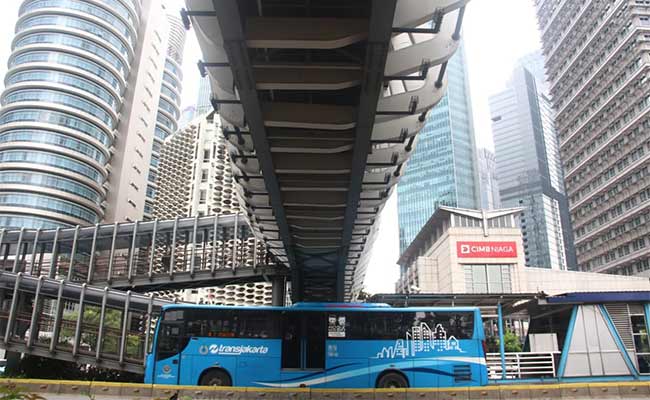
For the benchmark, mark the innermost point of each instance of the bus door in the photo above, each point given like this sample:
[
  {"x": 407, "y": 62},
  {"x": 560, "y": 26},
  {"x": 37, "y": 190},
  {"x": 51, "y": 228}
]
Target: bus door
[
  {"x": 303, "y": 341},
  {"x": 168, "y": 358}
]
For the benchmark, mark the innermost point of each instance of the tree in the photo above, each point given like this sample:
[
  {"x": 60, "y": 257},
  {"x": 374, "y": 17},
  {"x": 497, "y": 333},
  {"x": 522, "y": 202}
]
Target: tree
[{"x": 90, "y": 329}]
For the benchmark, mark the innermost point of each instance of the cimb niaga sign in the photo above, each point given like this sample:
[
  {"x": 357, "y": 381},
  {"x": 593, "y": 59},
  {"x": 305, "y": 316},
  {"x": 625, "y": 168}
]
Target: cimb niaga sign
[{"x": 486, "y": 249}]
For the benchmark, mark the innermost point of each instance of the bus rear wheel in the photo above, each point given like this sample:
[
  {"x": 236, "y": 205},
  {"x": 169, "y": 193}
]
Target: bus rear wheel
[
  {"x": 392, "y": 380},
  {"x": 215, "y": 377}
]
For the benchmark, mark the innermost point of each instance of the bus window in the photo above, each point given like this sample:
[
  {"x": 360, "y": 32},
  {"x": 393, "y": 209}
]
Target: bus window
[
  {"x": 249, "y": 324},
  {"x": 291, "y": 325},
  {"x": 458, "y": 325},
  {"x": 170, "y": 340}
]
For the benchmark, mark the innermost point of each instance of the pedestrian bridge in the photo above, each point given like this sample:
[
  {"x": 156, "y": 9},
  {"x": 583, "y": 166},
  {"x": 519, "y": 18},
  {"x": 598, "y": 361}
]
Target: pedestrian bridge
[
  {"x": 322, "y": 102},
  {"x": 49, "y": 278},
  {"x": 144, "y": 256}
]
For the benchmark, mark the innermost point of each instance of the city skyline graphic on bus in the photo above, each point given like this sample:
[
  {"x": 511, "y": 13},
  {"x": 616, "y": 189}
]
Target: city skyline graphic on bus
[{"x": 421, "y": 339}]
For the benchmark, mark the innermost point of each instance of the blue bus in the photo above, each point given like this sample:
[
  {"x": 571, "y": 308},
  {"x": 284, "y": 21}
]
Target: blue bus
[{"x": 327, "y": 345}]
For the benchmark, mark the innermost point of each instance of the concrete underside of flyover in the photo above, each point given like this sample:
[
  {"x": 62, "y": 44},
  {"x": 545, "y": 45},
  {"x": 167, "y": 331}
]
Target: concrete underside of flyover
[{"x": 321, "y": 102}]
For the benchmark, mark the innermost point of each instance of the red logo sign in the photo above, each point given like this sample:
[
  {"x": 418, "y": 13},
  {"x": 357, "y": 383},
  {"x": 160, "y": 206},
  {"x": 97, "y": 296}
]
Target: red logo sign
[{"x": 486, "y": 249}]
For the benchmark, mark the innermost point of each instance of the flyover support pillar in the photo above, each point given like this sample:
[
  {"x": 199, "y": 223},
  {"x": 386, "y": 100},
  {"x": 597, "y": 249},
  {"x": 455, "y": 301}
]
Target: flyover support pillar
[{"x": 278, "y": 290}]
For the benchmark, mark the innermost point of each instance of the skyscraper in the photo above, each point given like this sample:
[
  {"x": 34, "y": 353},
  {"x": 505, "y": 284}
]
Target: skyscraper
[
  {"x": 487, "y": 171},
  {"x": 203, "y": 104},
  {"x": 529, "y": 171},
  {"x": 76, "y": 126},
  {"x": 597, "y": 64},
  {"x": 169, "y": 111},
  {"x": 442, "y": 169},
  {"x": 195, "y": 180}
]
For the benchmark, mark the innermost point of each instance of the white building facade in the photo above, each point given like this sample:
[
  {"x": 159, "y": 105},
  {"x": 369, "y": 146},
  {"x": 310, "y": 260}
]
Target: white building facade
[
  {"x": 479, "y": 251},
  {"x": 196, "y": 180}
]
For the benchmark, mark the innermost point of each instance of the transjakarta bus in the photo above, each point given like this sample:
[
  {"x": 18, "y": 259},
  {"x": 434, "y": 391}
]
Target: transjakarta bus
[{"x": 318, "y": 345}]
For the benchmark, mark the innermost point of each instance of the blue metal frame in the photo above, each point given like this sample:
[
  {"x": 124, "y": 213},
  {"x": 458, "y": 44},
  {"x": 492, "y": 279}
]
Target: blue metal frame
[
  {"x": 618, "y": 341},
  {"x": 502, "y": 345},
  {"x": 567, "y": 343},
  {"x": 646, "y": 310}
]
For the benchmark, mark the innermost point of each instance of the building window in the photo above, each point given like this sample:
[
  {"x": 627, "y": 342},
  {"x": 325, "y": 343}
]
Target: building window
[
  {"x": 206, "y": 155},
  {"x": 488, "y": 278},
  {"x": 204, "y": 175},
  {"x": 202, "y": 196},
  {"x": 641, "y": 343}
]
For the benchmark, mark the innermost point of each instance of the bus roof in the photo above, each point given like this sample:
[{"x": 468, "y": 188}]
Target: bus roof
[{"x": 303, "y": 306}]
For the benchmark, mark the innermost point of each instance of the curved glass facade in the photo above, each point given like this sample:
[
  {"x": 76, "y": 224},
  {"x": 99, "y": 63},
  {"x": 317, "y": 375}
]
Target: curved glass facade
[
  {"x": 66, "y": 39},
  {"x": 54, "y": 96},
  {"x": 49, "y": 181},
  {"x": 80, "y": 24},
  {"x": 53, "y": 138},
  {"x": 170, "y": 104},
  {"x": 55, "y": 57},
  {"x": 72, "y": 69},
  {"x": 90, "y": 9}
]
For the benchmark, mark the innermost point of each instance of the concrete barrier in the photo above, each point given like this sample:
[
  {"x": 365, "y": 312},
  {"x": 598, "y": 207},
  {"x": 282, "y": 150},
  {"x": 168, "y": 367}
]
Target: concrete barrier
[
  {"x": 127, "y": 391},
  {"x": 105, "y": 389},
  {"x": 135, "y": 391},
  {"x": 357, "y": 394},
  {"x": 390, "y": 394},
  {"x": 460, "y": 393},
  {"x": 31, "y": 385},
  {"x": 602, "y": 391},
  {"x": 575, "y": 391},
  {"x": 634, "y": 390},
  {"x": 545, "y": 392},
  {"x": 422, "y": 394},
  {"x": 484, "y": 393},
  {"x": 515, "y": 392},
  {"x": 325, "y": 394},
  {"x": 74, "y": 387}
]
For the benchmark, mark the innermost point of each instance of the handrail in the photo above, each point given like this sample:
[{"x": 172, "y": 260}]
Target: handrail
[{"x": 522, "y": 365}]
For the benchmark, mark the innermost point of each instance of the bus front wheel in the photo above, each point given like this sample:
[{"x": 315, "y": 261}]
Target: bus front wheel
[
  {"x": 392, "y": 380},
  {"x": 215, "y": 377}
]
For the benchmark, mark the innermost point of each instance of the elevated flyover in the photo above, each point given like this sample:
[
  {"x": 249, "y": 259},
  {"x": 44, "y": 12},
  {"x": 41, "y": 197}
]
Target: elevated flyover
[{"x": 321, "y": 101}]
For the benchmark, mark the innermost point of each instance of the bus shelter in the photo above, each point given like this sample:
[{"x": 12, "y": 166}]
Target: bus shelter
[{"x": 581, "y": 337}]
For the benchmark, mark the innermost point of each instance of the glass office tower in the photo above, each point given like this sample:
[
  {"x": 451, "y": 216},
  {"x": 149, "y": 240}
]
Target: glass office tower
[
  {"x": 442, "y": 170},
  {"x": 76, "y": 123}
]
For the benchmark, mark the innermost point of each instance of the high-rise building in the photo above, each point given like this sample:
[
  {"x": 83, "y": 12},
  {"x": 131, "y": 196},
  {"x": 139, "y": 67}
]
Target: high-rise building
[
  {"x": 529, "y": 171},
  {"x": 597, "y": 64},
  {"x": 534, "y": 63},
  {"x": 203, "y": 103},
  {"x": 195, "y": 180},
  {"x": 487, "y": 171},
  {"x": 78, "y": 111},
  {"x": 442, "y": 169},
  {"x": 169, "y": 111}
]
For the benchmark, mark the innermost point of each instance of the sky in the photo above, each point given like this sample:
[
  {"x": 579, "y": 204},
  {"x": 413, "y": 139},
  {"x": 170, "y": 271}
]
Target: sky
[{"x": 496, "y": 34}]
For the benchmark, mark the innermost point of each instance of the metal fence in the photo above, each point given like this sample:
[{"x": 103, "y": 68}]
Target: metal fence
[{"x": 522, "y": 365}]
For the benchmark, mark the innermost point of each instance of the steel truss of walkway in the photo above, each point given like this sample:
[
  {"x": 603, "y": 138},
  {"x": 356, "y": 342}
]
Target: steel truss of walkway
[
  {"x": 75, "y": 321},
  {"x": 143, "y": 256},
  {"x": 62, "y": 290}
]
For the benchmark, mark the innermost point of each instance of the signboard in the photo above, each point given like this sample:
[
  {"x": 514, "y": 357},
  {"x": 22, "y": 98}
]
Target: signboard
[
  {"x": 486, "y": 249},
  {"x": 336, "y": 326}
]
